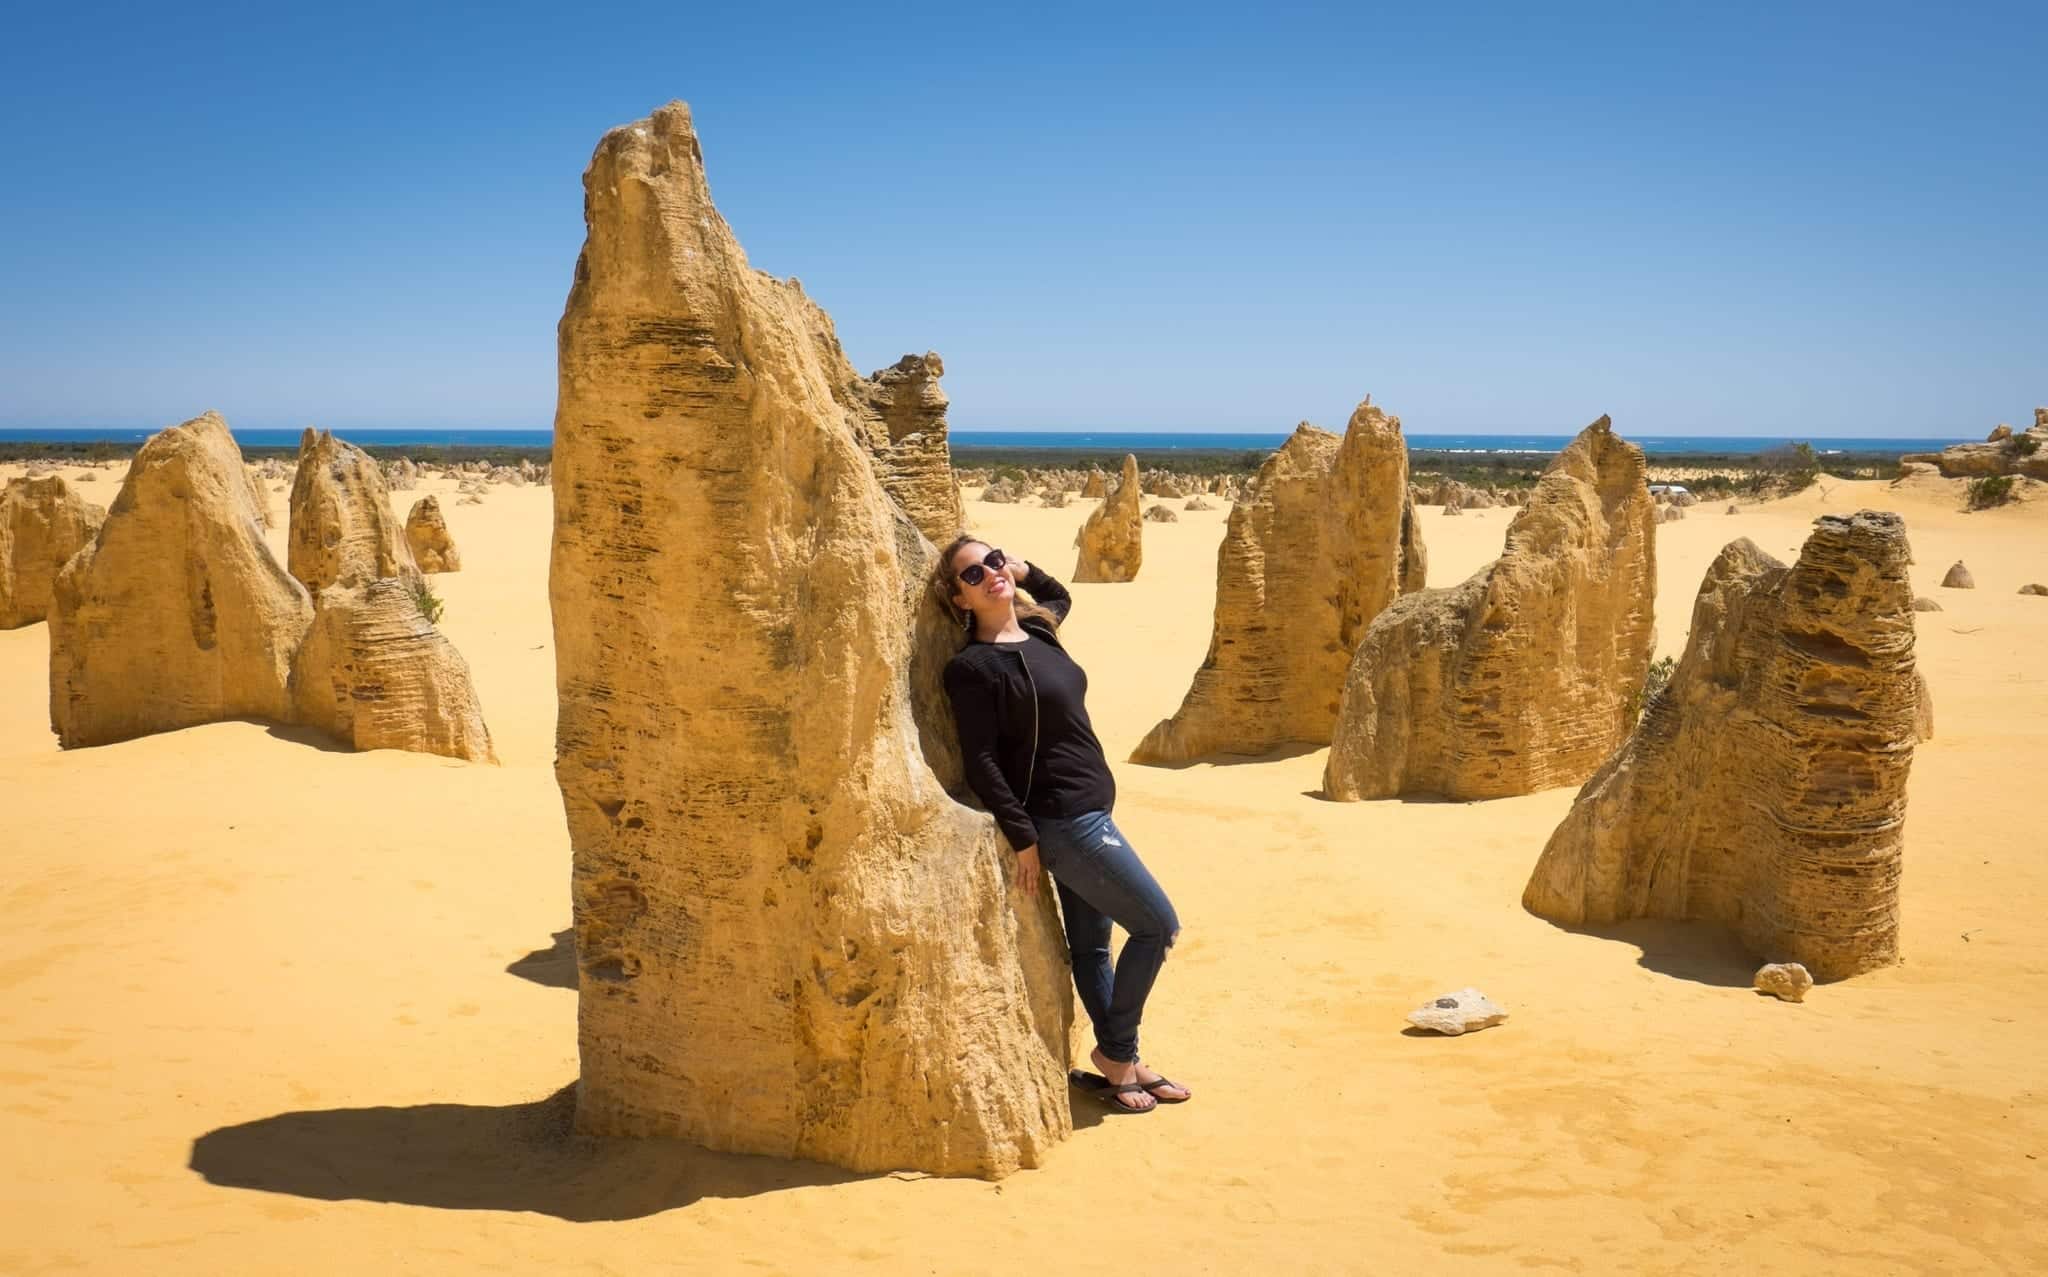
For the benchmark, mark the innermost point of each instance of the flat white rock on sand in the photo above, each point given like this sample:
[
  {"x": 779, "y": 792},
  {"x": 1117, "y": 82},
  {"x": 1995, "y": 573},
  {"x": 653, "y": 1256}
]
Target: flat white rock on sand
[{"x": 1465, "y": 1011}]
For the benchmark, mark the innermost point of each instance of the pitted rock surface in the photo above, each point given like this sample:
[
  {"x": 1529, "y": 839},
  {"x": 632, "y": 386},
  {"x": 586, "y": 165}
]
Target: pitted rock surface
[
  {"x": 343, "y": 530},
  {"x": 42, "y": 524}
]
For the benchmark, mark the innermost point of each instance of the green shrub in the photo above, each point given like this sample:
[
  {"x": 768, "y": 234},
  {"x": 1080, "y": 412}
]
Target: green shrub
[
  {"x": 2025, "y": 445},
  {"x": 429, "y": 602},
  {"x": 1792, "y": 467},
  {"x": 1991, "y": 490}
]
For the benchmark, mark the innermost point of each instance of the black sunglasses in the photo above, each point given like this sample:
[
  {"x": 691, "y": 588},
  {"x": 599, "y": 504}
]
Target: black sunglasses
[{"x": 974, "y": 572}]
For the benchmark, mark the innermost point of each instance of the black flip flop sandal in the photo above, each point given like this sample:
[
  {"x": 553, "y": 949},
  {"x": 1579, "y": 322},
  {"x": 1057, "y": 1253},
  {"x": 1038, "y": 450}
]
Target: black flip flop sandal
[
  {"x": 1102, "y": 1090},
  {"x": 1163, "y": 1080}
]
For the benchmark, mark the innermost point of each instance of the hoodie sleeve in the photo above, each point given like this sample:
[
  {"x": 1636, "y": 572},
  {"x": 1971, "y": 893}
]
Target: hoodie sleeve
[
  {"x": 1048, "y": 593},
  {"x": 974, "y": 713}
]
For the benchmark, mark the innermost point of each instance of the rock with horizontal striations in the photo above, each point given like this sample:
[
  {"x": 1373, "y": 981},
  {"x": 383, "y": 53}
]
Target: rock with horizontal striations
[
  {"x": 1111, "y": 541},
  {"x": 1786, "y": 981},
  {"x": 904, "y": 427},
  {"x": 374, "y": 673},
  {"x": 1321, "y": 543},
  {"x": 1162, "y": 514},
  {"x": 343, "y": 530},
  {"x": 177, "y": 613},
  {"x": 1521, "y": 678},
  {"x": 1765, "y": 788},
  {"x": 791, "y": 940},
  {"x": 42, "y": 524},
  {"x": 1959, "y": 578},
  {"x": 1924, "y": 604},
  {"x": 427, "y": 536},
  {"x": 1466, "y": 1011}
]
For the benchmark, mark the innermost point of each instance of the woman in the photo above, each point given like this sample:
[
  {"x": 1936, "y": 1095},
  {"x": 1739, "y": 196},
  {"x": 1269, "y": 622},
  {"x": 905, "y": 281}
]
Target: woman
[{"x": 1032, "y": 758}]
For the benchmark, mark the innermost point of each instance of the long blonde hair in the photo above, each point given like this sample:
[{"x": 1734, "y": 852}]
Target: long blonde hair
[{"x": 945, "y": 584}]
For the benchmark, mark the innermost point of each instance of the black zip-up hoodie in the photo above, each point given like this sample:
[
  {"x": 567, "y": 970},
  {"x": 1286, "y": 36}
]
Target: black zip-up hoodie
[{"x": 995, "y": 707}]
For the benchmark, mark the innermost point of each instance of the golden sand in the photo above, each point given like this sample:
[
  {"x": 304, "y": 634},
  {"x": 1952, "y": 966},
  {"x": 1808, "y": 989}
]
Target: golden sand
[{"x": 273, "y": 1007}]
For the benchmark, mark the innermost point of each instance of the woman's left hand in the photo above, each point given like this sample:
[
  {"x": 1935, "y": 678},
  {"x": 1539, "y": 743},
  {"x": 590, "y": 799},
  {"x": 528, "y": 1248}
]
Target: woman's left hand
[{"x": 1016, "y": 570}]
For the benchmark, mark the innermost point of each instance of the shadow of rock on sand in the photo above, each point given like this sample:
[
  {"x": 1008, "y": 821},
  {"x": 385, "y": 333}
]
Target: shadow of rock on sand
[
  {"x": 1696, "y": 951},
  {"x": 1277, "y": 754},
  {"x": 554, "y": 966},
  {"x": 514, "y": 1157}
]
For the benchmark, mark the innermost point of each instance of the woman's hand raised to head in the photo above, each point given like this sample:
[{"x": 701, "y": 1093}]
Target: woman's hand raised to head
[{"x": 1016, "y": 570}]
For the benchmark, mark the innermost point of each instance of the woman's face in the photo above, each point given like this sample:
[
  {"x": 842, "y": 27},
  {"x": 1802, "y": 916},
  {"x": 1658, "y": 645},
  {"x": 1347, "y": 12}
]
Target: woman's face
[{"x": 994, "y": 587}]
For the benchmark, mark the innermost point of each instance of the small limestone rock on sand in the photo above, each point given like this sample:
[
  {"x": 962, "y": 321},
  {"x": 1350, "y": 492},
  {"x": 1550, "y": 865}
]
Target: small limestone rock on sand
[
  {"x": 1197, "y": 503},
  {"x": 1466, "y": 1011},
  {"x": 2035, "y": 588},
  {"x": 426, "y": 532},
  {"x": 1162, "y": 514},
  {"x": 1924, "y": 604},
  {"x": 1787, "y": 981},
  {"x": 1959, "y": 578}
]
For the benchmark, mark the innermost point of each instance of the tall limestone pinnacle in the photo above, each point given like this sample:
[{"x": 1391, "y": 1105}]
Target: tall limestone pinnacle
[
  {"x": 1322, "y": 542},
  {"x": 1765, "y": 786},
  {"x": 1112, "y": 538},
  {"x": 1517, "y": 680},
  {"x": 791, "y": 940}
]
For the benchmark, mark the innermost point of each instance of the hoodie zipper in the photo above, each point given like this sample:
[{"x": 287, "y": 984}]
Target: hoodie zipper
[{"x": 1031, "y": 767}]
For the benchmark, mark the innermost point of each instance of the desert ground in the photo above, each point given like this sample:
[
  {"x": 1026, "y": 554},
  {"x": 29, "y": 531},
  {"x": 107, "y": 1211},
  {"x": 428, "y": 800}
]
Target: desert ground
[{"x": 277, "y": 1007}]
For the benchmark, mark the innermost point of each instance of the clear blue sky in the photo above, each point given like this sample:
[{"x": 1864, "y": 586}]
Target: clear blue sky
[{"x": 1802, "y": 219}]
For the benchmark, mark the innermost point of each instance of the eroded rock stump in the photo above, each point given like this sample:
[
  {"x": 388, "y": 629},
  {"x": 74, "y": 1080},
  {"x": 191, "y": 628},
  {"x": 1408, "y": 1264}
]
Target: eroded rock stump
[
  {"x": 427, "y": 536},
  {"x": 1316, "y": 549},
  {"x": 42, "y": 524},
  {"x": 1112, "y": 539},
  {"x": 1518, "y": 679},
  {"x": 1765, "y": 788},
  {"x": 343, "y": 529}
]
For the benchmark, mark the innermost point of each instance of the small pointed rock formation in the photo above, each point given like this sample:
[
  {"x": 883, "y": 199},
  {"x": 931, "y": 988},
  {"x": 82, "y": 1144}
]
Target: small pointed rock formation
[
  {"x": 1959, "y": 578},
  {"x": 907, "y": 437},
  {"x": 177, "y": 613},
  {"x": 1765, "y": 788},
  {"x": 374, "y": 673},
  {"x": 343, "y": 529},
  {"x": 1316, "y": 549},
  {"x": 1111, "y": 541},
  {"x": 791, "y": 940},
  {"x": 426, "y": 535},
  {"x": 1520, "y": 678},
  {"x": 42, "y": 524},
  {"x": 1097, "y": 485}
]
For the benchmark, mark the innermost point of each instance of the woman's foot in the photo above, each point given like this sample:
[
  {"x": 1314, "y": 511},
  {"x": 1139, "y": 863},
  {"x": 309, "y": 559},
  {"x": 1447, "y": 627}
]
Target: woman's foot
[
  {"x": 1121, "y": 1073},
  {"x": 1157, "y": 1085}
]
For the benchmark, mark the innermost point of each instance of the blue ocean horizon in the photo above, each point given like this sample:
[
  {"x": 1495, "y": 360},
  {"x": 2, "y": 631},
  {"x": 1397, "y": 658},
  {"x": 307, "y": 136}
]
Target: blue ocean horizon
[{"x": 969, "y": 441}]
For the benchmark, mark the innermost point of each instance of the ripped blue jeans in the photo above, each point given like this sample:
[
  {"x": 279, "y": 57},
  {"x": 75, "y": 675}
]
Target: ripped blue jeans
[{"x": 1102, "y": 881}]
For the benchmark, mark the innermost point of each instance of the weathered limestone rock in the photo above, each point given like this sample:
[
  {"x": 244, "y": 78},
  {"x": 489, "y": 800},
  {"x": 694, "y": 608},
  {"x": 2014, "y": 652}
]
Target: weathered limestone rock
[
  {"x": 1165, "y": 485},
  {"x": 1309, "y": 558},
  {"x": 1925, "y": 604},
  {"x": 1097, "y": 485},
  {"x": 1162, "y": 514},
  {"x": 791, "y": 940},
  {"x": 1111, "y": 541},
  {"x": 1999, "y": 433},
  {"x": 427, "y": 536},
  {"x": 1520, "y": 678},
  {"x": 1001, "y": 493},
  {"x": 374, "y": 673},
  {"x": 1959, "y": 578},
  {"x": 177, "y": 614},
  {"x": 1466, "y": 1011},
  {"x": 1671, "y": 514},
  {"x": 42, "y": 524},
  {"x": 1197, "y": 503},
  {"x": 343, "y": 530},
  {"x": 907, "y": 438},
  {"x": 2003, "y": 453},
  {"x": 2034, "y": 588},
  {"x": 1923, "y": 708},
  {"x": 403, "y": 475},
  {"x": 1765, "y": 788},
  {"x": 1787, "y": 981},
  {"x": 1732, "y": 509},
  {"x": 1454, "y": 510},
  {"x": 259, "y": 496}
]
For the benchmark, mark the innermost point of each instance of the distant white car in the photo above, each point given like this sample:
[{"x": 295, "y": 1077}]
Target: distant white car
[{"x": 1671, "y": 489}]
